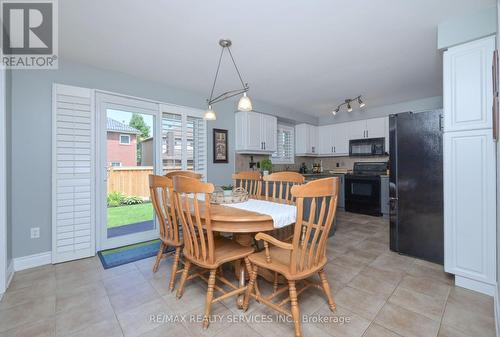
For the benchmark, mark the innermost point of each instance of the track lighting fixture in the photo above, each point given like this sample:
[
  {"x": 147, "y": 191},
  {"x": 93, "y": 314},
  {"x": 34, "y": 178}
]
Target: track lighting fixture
[{"x": 348, "y": 103}]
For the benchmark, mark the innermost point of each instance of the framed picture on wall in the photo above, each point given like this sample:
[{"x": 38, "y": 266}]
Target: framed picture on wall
[{"x": 220, "y": 146}]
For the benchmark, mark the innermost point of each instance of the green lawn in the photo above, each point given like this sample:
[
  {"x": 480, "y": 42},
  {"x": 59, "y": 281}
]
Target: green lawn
[{"x": 125, "y": 215}]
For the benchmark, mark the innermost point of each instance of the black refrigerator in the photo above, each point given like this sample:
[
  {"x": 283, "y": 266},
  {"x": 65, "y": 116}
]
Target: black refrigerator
[{"x": 416, "y": 184}]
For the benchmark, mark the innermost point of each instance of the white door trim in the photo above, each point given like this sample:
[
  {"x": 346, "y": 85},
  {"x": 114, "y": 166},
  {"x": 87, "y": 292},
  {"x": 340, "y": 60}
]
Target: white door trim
[{"x": 4, "y": 278}]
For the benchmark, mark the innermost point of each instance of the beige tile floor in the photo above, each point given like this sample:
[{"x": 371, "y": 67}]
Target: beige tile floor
[{"x": 378, "y": 293}]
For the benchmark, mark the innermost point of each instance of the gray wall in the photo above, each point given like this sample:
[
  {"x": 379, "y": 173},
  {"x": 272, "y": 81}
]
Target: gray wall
[
  {"x": 467, "y": 28},
  {"x": 381, "y": 111},
  {"x": 30, "y": 122}
]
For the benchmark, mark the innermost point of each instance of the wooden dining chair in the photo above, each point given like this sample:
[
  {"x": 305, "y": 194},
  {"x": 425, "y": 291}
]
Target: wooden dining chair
[
  {"x": 305, "y": 256},
  {"x": 161, "y": 190},
  {"x": 250, "y": 180},
  {"x": 277, "y": 189},
  {"x": 201, "y": 247},
  {"x": 278, "y": 186},
  {"x": 190, "y": 174}
]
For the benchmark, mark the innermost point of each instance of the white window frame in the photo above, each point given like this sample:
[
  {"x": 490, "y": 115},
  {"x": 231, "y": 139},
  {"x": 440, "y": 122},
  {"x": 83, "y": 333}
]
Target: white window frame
[
  {"x": 282, "y": 160},
  {"x": 125, "y": 135}
]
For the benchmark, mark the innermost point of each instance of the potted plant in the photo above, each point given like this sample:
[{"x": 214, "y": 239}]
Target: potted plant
[
  {"x": 266, "y": 165},
  {"x": 227, "y": 189}
]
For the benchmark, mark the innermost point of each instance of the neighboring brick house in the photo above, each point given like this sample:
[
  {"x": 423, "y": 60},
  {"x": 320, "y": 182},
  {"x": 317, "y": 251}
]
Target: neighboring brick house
[{"x": 121, "y": 143}]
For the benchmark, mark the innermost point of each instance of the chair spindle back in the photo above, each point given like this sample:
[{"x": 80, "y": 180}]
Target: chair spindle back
[
  {"x": 250, "y": 181},
  {"x": 282, "y": 182},
  {"x": 198, "y": 235},
  {"x": 161, "y": 190},
  {"x": 310, "y": 236}
]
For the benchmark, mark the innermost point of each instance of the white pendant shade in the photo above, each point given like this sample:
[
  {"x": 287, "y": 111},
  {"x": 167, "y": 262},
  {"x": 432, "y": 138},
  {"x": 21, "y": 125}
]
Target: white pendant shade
[
  {"x": 209, "y": 114},
  {"x": 245, "y": 104}
]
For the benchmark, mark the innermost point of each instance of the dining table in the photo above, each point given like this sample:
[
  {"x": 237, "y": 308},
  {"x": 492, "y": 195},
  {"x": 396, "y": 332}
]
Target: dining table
[{"x": 243, "y": 225}]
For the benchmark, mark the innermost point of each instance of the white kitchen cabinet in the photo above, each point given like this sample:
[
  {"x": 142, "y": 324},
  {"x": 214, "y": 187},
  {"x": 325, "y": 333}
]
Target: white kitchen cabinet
[
  {"x": 369, "y": 128},
  {"x": 270, "y": 128},
  {"x": 325, "y": 143},
  {"x": 340, "y": 139},
  {"x": 334, "y": 140},
  {"x": 356, "y": 129},
  {"x": 469, "y": 166},
  {"x": 467, "y": 82},
  {"x": 255, "y": 132},
  {"x": 469, "y": 208},
  {"x": 376, "y": 128},
  {"x": 306, "y": 140}
]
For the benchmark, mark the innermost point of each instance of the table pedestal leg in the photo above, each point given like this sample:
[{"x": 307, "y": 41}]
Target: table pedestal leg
[{"x": 239, "y": 300}]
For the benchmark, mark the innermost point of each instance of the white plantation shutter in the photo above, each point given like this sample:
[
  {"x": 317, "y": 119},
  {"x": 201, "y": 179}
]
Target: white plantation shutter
[
  {"x": 285, "y": 152},
  {"x": 184, "y": 144},
  {"x": 73, "y": 172},
  {"x": 197, "y": 139}
]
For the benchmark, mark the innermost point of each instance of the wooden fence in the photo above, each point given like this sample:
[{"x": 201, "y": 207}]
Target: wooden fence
[{"x": 131, "y": 181}]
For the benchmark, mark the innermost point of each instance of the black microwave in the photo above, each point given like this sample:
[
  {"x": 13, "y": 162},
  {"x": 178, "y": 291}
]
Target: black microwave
[{"x": 367, "y": 147}]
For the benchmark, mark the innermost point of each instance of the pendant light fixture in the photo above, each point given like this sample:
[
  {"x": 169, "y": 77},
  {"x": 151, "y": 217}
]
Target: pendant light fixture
[
  {"x": 244, "y": 104},
  {"x": 348, "y": 103}
]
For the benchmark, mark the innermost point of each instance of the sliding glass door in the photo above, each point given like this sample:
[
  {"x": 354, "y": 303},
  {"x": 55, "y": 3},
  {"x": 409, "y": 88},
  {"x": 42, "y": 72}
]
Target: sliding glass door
[
  {"x": 128, "y": 155},
  {"x": 137, "y": 138}
]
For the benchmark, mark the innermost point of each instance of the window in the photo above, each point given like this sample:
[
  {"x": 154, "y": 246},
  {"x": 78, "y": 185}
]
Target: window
[
  {"x": 116, "y": 164},
  {"x": 184, "y": 143},
  {"x": 285, "y": 152},
  {"x": 125, "y": 139}
]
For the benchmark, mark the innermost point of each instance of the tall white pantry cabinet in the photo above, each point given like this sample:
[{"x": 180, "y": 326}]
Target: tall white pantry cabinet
[{"x": 469, "y": 165}]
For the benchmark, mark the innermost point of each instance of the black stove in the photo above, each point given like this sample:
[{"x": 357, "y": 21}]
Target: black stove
[
  {"x": 362, "y": 188},
  {"x": 369, "y": 168}
]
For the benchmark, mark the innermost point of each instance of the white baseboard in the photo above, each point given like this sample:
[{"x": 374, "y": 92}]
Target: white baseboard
[
  {"x": 10, "y": 273},
  {"x": 8, "y": 277},
  {"x": 32, "y": 261},
  {"x": 481, "y": 287}
]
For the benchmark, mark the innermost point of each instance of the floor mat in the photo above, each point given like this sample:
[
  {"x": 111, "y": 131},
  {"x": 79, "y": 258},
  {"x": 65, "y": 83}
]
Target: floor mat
[{"x": 118, "y": 256}]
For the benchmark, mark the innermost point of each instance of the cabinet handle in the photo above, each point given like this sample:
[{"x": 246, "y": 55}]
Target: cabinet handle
[
  {"x": 334, "y": 149},
  {"x": 264, "y": 145}
]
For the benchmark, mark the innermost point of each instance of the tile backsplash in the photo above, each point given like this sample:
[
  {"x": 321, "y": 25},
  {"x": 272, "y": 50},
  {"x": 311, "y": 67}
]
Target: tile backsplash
[{"x": 242, "y": 162}]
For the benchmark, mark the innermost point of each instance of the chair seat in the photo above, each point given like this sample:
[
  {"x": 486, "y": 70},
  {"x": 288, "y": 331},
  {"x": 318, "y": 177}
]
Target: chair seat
[
  {"x": 169, "y": 242},
  {"x": 225, "y": 250},
  {"x": 280, "y": 262}
]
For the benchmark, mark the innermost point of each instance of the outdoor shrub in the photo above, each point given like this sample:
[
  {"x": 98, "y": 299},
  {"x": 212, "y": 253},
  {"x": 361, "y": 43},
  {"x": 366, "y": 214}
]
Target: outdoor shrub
[
  {"x": 132, "y": 200},
  {"x": 115, "y": 199}
]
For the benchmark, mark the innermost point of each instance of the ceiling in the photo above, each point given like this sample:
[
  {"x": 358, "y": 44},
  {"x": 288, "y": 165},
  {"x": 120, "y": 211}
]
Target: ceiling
[{"x": 307, "y": 56}]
